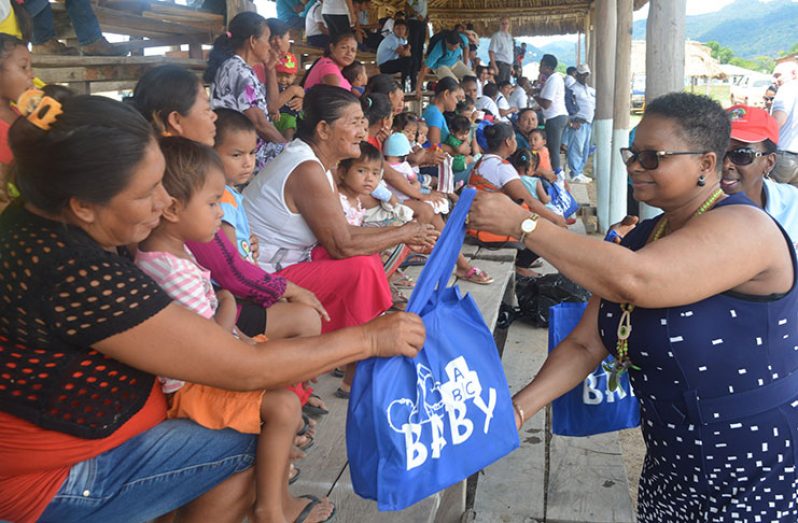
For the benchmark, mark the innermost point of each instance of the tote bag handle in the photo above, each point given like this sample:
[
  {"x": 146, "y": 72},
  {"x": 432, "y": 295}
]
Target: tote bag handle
[{"x": 439, "y": 266}]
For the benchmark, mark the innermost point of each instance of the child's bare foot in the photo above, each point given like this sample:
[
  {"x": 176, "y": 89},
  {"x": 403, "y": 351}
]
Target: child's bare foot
[
  {"x": 309, "y": 509},
  {"x": 296, "y": 453}
]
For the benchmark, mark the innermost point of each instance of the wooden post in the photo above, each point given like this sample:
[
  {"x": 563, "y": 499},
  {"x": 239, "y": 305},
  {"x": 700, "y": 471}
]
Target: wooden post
[
  {"x": 602, "y": 124},
  {"x": 622, "y": 106},
  {"x": 664, "y": 56},
  {"x": 590, "y": 33}
]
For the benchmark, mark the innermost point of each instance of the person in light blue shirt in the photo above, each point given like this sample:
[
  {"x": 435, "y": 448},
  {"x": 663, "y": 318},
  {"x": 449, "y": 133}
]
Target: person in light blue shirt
[
  {"x": 394, "y": 53},
  {"x": 447, "y": 93},
  {"x": 445, "y": 58},
  {"x": 293, "y": 12},
  {"x": 750, "y": 158}
]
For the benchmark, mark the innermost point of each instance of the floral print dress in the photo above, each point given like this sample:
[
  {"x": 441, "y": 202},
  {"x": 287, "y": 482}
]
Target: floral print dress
[{"x": 237, "y": 87}]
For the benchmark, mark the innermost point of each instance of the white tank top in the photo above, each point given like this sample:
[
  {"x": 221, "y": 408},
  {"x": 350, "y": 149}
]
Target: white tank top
[{"x": 284, "y": 237}]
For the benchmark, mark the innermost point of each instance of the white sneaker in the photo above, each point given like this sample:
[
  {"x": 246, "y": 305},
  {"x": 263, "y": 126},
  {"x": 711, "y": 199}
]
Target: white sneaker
[{"x": 581, "y": 178}]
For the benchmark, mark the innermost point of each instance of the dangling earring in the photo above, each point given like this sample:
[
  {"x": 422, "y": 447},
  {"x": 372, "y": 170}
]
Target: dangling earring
[{"x": 701, "y": 181}]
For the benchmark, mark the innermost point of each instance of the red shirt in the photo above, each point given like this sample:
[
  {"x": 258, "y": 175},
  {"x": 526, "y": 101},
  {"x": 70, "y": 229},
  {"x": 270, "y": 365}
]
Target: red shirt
[
  {"x": 5, "y": 151},
  {"x": 35, "y": 462}
]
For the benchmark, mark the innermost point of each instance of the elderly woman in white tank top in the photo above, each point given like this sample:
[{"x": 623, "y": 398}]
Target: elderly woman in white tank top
[{"x": 295, "y": 213}]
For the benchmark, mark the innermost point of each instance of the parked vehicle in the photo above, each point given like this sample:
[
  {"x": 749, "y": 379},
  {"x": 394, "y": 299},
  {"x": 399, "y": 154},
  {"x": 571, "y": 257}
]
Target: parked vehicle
[{"x": 750, "y": 90}]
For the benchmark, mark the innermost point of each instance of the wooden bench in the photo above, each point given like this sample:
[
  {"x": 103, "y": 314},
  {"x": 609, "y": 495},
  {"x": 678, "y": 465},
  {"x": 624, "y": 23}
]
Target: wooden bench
[
  {"x": 325, "y": 471},
  {"x": 91, "y": 74}
]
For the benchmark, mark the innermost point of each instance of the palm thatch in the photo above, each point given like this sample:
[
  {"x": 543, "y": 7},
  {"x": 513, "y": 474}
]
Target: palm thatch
[{"x": 529, "y": 17}]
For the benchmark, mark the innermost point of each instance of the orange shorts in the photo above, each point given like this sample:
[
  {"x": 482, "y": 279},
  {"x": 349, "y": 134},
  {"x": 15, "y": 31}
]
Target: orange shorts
[{"x": 215, "y": 408}]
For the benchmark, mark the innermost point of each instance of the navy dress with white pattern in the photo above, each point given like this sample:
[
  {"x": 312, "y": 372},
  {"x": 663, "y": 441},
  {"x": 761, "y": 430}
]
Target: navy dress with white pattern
[{"x": 718, "y": 388}]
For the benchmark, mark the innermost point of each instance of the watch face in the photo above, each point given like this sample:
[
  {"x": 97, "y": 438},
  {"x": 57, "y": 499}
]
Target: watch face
[{"x": 528, "y": 225}]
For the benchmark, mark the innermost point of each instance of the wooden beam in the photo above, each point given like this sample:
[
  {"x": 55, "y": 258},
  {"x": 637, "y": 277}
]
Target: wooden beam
[
  {"x": 622, "y": 105},
  {"x": 575, "y": 9}
]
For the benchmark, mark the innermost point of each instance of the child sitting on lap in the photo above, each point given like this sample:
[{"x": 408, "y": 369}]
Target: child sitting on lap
[
  {"x": 526, "y": 163},
  {"x": 195, "y": 180},
  {"x": 355, "y": 74},
  {"x": 458, "y": 145}
]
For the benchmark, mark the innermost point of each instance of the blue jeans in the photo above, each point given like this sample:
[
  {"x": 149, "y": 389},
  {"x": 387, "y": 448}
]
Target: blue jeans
[
  {"x": 80, "y": 13},
  {"x": 578, "y": 143},
  {"x": 152, "y": 474}
]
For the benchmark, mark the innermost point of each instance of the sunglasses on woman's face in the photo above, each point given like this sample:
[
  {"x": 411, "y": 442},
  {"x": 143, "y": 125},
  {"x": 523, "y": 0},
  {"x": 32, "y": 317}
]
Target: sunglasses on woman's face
[
  {"x": 743, "y": 155},
  {"x": 649, "y": 160}
]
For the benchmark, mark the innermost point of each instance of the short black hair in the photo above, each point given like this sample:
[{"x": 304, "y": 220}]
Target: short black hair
[
  {"x": 459, "y": 124},
  {"x": 230, "y": 120},
  {"x": 368, "y": 153},
  {"x": 462, "y": 104},
  {"x": 187, "y": 166},
  {"x": 468, "y": 79},
  {"x": 277, "y": 28},
  {"x": 490, "y": 90},
  {"x": 703, "y": 122},
  {"x": 453, "y": 37},
  {"x": 570, "y": 70},
  {"x": 504, "y": 83},
  {"x": 550, "y": 60},
  {"x": 352, "y": 70},
  {"x": 538, "y": 130},
  {"x": 400, "y": 21},
  {"x": 402, "y": 120},
  {"x": 769, "y": 146}
]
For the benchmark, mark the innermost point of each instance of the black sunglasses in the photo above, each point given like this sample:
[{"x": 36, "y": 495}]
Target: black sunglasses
[
  {"x": 649, "y": 160},
  {"x": 743, "y": 156}
]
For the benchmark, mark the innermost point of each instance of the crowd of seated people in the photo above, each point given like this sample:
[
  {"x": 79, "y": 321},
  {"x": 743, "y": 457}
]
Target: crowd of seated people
[{"x": 210, "y": 246}]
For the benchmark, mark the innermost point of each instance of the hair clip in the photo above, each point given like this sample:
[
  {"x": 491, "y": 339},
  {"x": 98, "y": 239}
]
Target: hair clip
[
  {"x": 39, "y": 109},
  {"x": 368, "y": 101},
  {"x": 228, "y": 34}
]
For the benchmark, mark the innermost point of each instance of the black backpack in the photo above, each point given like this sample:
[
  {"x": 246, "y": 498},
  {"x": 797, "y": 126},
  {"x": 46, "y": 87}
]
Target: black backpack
[{"x": 571, "y": 104}]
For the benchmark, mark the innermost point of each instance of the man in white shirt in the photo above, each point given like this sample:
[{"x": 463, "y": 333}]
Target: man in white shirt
[
  {"x": 518, "y": 96},
  {"x": 316, "y": 31},
  {"x": 339, "y": 15},
  {"x": 785, "y": 111},
  {"x": 487, "y": 101},
  {"x": 581, "y": 125},
  {"x": 506, "y": 109},
  {"x": 501, "y": 51},
  {"x": 552, "y": 101}
]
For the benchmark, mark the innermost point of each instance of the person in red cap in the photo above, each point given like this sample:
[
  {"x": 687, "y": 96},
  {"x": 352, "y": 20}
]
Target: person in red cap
[
  {"x": 291, "y": 96},
  {"x": 750, "y": 158}
]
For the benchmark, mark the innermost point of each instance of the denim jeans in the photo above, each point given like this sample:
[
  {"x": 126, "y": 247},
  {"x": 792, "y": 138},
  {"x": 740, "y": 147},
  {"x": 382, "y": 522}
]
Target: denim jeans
[
  {"x": 152, "y": 474},
  {"x": 80, "y": 13},
  {"x": 578, "y": 142},
  {"x": 554, "y": 130}
]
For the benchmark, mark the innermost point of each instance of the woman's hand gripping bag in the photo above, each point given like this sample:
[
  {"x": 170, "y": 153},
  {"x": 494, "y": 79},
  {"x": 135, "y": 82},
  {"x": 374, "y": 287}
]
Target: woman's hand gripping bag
[{"x": 417, "y": 426}]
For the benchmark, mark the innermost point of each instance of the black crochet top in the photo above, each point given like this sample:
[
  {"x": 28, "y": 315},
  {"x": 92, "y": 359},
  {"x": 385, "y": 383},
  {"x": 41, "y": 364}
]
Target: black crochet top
[{"x": 60, "y": 293}]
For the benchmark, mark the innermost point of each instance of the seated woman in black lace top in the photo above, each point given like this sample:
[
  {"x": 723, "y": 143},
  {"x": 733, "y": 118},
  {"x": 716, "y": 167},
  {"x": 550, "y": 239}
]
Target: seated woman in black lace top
[{"x": 83, "y": 332}]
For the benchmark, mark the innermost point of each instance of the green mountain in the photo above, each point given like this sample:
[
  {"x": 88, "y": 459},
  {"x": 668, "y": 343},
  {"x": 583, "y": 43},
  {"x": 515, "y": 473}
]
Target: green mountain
[{"x": 750, "y": 28}]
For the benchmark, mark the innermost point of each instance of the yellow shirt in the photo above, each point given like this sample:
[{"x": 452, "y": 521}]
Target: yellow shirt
[{"x": 9, "y": 24}]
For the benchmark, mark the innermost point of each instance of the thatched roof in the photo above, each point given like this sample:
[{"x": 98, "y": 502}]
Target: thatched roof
[{"x": 529, "y": 17}]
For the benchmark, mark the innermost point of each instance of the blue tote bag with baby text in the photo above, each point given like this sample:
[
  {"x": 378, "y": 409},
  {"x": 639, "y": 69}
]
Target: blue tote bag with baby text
[
  {"x": 416, "y": 426},
  {"x": 590, "y": 407}
]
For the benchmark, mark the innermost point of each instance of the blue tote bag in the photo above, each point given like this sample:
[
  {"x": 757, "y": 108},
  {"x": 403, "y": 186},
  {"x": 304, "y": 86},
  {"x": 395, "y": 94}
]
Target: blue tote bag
[
  {"x": 416, "y": 426},
  {"x": 589, "y": 408}
]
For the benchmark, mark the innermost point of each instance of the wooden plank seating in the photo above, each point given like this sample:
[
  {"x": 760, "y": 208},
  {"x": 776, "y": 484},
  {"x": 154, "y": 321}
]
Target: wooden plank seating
[
  {"x": 325, "y": 469},
  {"x": 87, "y": 74}
]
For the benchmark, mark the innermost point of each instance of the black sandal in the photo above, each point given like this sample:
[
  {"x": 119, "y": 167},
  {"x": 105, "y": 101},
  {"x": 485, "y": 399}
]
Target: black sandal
[
  {"x": 313, "y": 410},
  {"x": 309, "y": 507}
]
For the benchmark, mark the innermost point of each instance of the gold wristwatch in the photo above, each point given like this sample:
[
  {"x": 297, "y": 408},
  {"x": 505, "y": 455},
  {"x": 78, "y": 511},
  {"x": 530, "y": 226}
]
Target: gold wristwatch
[{"x": 528, "y": 225}]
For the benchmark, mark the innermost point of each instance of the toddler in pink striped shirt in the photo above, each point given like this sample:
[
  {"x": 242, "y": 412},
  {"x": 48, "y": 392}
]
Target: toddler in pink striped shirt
[{"x": 194, "y": 178}]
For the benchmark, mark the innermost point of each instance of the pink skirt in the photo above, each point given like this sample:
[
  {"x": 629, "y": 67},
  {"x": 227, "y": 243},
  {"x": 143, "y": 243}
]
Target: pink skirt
[{"x": 353, "y": 290}]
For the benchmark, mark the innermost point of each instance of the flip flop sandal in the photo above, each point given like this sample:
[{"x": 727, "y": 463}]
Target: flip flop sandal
[
  {"x": 309, "y": 508},
  {"x": 292, "y": 478},
  {"x": 307, "y": 445},
  {"x": 306, "y": 425},
  {"x": 343, "y": 394},
  {"x": 403, "y": 281},
  {"x": 338, "y": 373},
  {"x": 478, "y": 276},
  {"x": 314, "y": 410},
  {"x": 414, "y": 260}
]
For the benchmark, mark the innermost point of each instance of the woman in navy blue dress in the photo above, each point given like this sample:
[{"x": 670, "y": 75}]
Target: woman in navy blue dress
[{"x": 704, "y": 301}]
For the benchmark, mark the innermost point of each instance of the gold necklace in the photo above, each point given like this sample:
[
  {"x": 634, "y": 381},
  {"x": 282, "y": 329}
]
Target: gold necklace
[{"x": 623, "y": 362}]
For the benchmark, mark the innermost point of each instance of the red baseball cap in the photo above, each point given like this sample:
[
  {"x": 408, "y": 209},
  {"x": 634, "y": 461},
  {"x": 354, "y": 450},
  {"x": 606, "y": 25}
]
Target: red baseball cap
[
  {"x": 288, "y": 64},
  {"x": 752, "y": 124}
]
